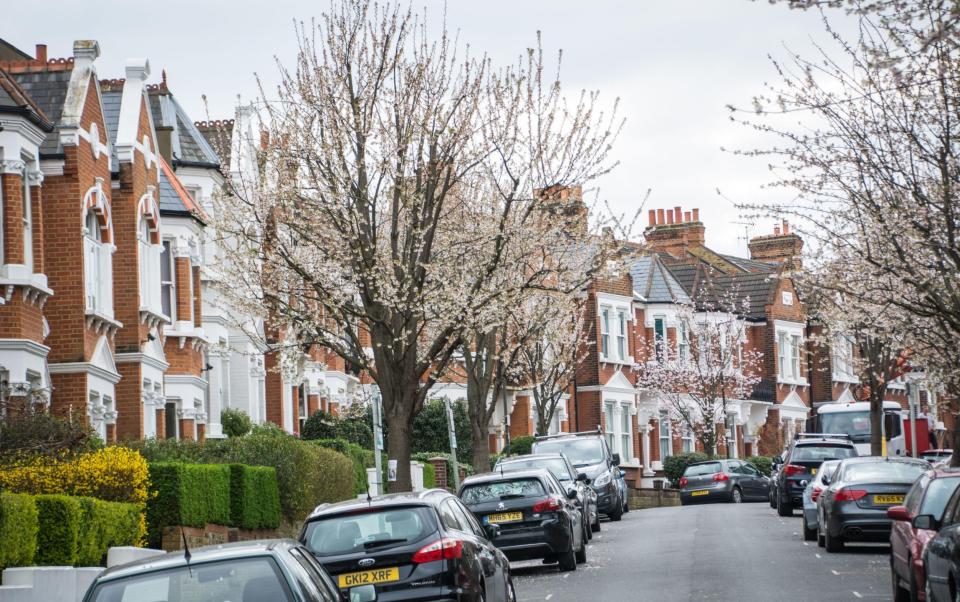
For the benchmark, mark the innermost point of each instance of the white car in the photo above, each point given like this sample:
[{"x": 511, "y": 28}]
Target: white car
[{"x": 810, "y": 494}]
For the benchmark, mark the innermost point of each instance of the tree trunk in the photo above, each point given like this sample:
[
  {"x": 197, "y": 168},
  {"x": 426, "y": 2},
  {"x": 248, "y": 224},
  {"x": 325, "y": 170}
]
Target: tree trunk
[
  {"x": 481, "y": 450},
  {"x": 479, "y": 363},
  {"x": 876, "y": 421},
  {"x": 400, "y": 426}
]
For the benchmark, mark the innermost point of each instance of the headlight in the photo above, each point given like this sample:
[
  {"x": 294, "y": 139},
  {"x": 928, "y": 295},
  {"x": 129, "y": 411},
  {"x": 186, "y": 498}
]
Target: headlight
[{"x": 602, "y": 481}]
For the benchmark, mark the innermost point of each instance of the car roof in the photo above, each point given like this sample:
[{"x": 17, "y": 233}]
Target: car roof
[
  {"x": 814, "y": 441},
  {"x": 227, "y": 551},
  {"x": 490, "y": 477},
  {"x": 541, "y": 456},
  {"x": 939, "y": 473},
  {"x": 877, "y": 459},
  {"x": 713, "y": 461},
  {"x": 428, "y": 497}
]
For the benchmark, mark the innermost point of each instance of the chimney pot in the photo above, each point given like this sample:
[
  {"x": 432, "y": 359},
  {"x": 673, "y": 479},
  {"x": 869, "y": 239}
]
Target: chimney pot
[
  {"x": 677, "y": 215},
  {"x": 696, "y": 215},
  {"x": 686, "y": 216},
  {"x": 786, "y": 227},
  {"x": 669, "y": 216},
  {"x": 41, "y": 53},
  {"x": 661, "y": 218},
  {"x": 652, "y": 215},
  {"x": 776, "y": 230}
]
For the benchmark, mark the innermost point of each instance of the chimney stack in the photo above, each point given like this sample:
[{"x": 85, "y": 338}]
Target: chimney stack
[
  {"x": 780, "y": 248},
  {"x": 776, "y": 230},
  {"x": 652, "y": 215},
  {"x": 686, "y": 216},
  {"x": 670, "y": 217},
  {"x": 661, "y": 218},
  {"x": 677, "y": 215},
  {"x": 786, "y": 227},
  {"x": 41, "y": 53},
  {"x": 673, "y": 231}
]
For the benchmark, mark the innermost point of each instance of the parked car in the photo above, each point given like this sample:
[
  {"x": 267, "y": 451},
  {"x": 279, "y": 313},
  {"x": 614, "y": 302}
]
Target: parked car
[
  {"x": 568, "y": 477},
  {"x": 810, "y": 495},
  {"x": 533, "y": 516},
  {"x": 936, "y": 455},
  {"x": 251, "y": 571},
  {"x": 589, "y": 454},
  {"x": 854, "y": 505},
  {"x": 801, "y": 464},
  {"x": 775, "y": 465},
  {"x": 722, "y": 481},
  {"x": 410, "y": 546},
  {"x": 941, "y": 564},
  {"x": 929, "y": 495}
]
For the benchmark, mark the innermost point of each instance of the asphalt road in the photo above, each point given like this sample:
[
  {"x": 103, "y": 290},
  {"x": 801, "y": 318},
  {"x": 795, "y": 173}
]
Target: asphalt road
[{"x": 709, "y": 552}]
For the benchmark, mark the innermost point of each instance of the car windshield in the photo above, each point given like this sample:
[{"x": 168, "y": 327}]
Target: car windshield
[
  {"x": 580, "y": 451},
  {"x": 882, "y": 471},
  {"x": 482, "y": 493},
  {"x": 827, "y": 469},
  {"x": 379, "y": 528},
  {"x": 701, "y": 469},
  {"x": 855, "y": 424},
  {"x": 255, "y": 578},
  {"x": 819, "y": 453},
  {"x": 555, "y": 465},
  {"x": 938, "y": 493}
]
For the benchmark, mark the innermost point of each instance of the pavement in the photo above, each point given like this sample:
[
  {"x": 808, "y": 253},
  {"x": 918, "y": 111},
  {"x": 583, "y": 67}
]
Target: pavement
[{"x": 741, "y": 552}]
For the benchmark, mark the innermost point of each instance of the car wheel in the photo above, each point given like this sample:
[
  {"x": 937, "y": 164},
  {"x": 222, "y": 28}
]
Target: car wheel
[
  {"x": 808, "y": 533},
  {"x": 928, "y": 591},
  {"x": 833, "y": 544},
  {"x": 581, "y": 555},
  {"x": 736, "y": 496},
  {"x": 617, "y": 513},
  {"x": 568, "y": 560},
  {"x": 771, "y": 499},
  {"x": 783, "y": 509},
  {"x": 596, "y": 524},
  {"x": 821, "y": 540},
  {"x": 899, "y": 593},
  {"x": 912, "y": 581},
  {"x": 511, "y": 592}
]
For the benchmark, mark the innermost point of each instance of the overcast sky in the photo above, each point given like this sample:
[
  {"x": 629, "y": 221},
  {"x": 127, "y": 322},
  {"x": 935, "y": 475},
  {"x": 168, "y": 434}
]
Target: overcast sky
[{"x": 675, "y": 65}]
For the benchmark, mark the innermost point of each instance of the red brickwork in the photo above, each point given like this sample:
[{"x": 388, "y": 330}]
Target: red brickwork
[
  {"x": 184, "y": 280},
  {"x": 129, "y": 402},
  {"x": 187, "y": 429},
  {"x": 520, "y": 425}
]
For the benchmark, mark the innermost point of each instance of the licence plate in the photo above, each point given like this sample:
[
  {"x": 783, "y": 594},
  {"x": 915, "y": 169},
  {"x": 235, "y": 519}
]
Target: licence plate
[
  {"x": 505, "y": 517},
  {"x": 888, "y": 499},
  {"x": 700, "y": 492},
  {"x": 813, "y": 471},
  {"x": 348, "y": 580}
]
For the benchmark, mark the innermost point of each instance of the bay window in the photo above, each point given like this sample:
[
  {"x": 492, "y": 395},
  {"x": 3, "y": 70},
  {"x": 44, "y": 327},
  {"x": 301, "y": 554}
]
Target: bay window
[
  {"x": 782, "y": 355},
  {"x": 149, "y": 257},
  {"x": 666, "y": 439},
  {"x": 99, "y": 268},
  {"x": 659, "y": 338},
  {"x": 621, "y": 335},
  {"x": 168, "y": 299},
  {"x": 789, "y": 349},
  {"x": 27, "y": 223},
  {"x": 687, "y": 438},
  {"x": 683, "y": 342},
  {"x": 626, "y": 434},
  {"x": 610, "y": 424},
  {"x": 605, "y": 332},
  {"x": 795, "y": 346}
]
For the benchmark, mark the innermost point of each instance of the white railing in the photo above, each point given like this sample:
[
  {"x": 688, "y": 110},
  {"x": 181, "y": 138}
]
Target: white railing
[
  {"x": 99, "y": 277},
  {"x": 150, "y": 293}
]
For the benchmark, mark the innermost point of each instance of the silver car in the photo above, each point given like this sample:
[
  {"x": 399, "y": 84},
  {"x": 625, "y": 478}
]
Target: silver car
[{"x": 810, "y": 494}]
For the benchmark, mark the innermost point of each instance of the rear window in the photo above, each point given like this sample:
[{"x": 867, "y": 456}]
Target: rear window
[
  {"x": 351, "y": 533},
  {"x": 819, "y": 453},
  {"x": 879, "y": 472},
  {"x": 255, "y": 578},
  {"x": 555, "y": 465},
  {"x": 938, "y": 493},
  {"x": 701, "y": 469},
  {"x": 581, "y": 451},
  {"x": 482, "y": 493}
]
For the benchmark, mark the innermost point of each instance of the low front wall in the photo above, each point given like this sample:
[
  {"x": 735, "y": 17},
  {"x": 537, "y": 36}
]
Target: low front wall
[
  {"x": 172, "y": 537},
  {"x": 640, "y": 499}
]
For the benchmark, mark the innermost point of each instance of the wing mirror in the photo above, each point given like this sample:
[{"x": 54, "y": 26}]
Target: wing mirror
[
  {"x": 616, "y": 459},
  {"x": 825, "y": 480},
  {"x": 492, "y": 530},
  {"x": 925, "y": 521},
  {"x": 898, "y": 513},
  {"x": 363, "y": 593},
  {"x": 571, "y": 494},
  {"x": 583, "y": 478}
]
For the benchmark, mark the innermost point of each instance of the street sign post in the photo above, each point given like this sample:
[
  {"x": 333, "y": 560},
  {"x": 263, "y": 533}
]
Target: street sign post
[
  {"x": 452, "y": 431},
  {"x": 378, "y": 438}
]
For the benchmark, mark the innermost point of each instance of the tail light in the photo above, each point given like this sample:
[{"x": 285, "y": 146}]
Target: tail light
[
  {"x": 548, "y": 505},
  {"x": 447, "y": 548},
  {"x": 816, "y": 493},
  {"x": 849, "y": 495},
  {"x": 720, "y": 476},
  {"x": 683, "y": 481},
  {"x": 792, "y": 469}
]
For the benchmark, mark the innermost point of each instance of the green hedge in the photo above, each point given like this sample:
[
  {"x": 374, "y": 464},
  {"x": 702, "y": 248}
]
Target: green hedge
[
  {"x": 254, "y": 497},
  {"x": 360, "y": 458},
  {"x": 429, "y": 476},
  {"x": 187, "y": 494},
  {"x": 763, "y": 463},
  {"x": 58, "y": 530},
  {"x": 519, "y": 446},
  {"x": 673, "y": 466},
  {"x": 18, "y": 530},
  {"x": 104, "y": 525}
]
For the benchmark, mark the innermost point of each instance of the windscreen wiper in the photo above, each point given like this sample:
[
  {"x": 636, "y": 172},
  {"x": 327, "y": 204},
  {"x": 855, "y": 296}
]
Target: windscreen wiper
[
  {"x": 511, "y": 496},
  {"x": 381, "y": 542}
]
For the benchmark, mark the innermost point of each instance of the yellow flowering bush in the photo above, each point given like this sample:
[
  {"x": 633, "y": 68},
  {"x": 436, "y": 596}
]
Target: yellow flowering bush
[{"x": 113, "y": 474}]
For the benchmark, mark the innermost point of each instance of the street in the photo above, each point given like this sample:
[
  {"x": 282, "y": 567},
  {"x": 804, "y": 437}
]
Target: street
[{"x": 710, "y": 552}]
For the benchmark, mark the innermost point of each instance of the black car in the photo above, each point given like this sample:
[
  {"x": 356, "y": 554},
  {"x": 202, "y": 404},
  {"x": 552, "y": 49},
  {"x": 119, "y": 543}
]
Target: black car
[
  {"x": 589, "y": 454},
  {"x": 534, "y": 516},
  {"x": 801, "y": 463},
  {"x": 722, "y": 481},
  {"x": 854, "y": 505},
  {"x": 410, "y": 546},
  {"x": 251, "y": 571},
  {"x": 568, "y": 477},
  {"x": 941, "y": 557}
]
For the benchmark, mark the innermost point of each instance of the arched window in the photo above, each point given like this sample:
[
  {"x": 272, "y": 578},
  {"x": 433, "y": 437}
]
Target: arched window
[
  {"x": 98, "y": 251},
  {"x": 149, "y": 253}
]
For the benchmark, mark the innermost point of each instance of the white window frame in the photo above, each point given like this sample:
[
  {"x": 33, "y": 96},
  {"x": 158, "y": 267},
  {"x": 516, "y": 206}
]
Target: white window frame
[
  {"x": 610, "y": 418},
  {"x": 27, "y": 221},
  {"x": 168, "y": 289},
  {"x": 683, "y": 342},
  {"x": 660, "y": 351},
  {"x": 796, "y": 344},
  {"x": 664, "y": 421},
  {"x": 99, "y": 267},
  {"x": 625, "y": 434},
  {"x": 2, "y": 226},
  {"x": 622, "y": 349},
  {"x": 605, "y": 331},
  {"x": 790, "y": 340},
  {"x": 686, "y": 436}
]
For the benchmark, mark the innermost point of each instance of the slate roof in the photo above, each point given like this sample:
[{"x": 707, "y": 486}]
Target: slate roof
[
  {"x": 757, "y": 288},
  {"x": 13, "y": 99},
  {"x": 654, "y": 282},
  {"x": 48, "y": 89},
  {"x": 9, "y": 52},
  {"x": 218, "y": 134},
  {"x": 111, "y": 118},
  {"x": 187, "y": 145},
  {"x": 750, "y": 265},
  {"x": 174, "y": 199}
]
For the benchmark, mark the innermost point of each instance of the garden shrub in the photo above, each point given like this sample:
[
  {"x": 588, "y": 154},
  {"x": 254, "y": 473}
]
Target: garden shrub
[
  {"x": 673, "y": 466},
  {"x": 519, "y": 446},
  {"x": 29, "y": 431},
  {"x": 58, "y": 530},
  {"x": 114, "y": 474},
  {"x": 361, "y": 458},
  {"x": 104, "y": 525},
  {"x": 254, "y": 497},
  {"x": 187, "y": 494},
  {"x": 236, "y": 423},
  {"x": 322, "y": 425},
  {"x": 762, "y": 463},
  {"x": 18, "y": 530},
  {"x": 430, "y": 430},
  {"x": 429, "y": 476}
]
